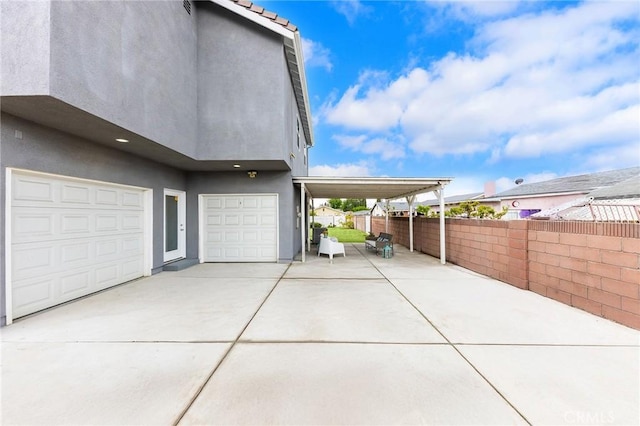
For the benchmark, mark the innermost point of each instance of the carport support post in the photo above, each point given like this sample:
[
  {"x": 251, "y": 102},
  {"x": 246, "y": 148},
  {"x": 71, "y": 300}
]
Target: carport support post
[
  {"x": 410, "y": 200},
  {"x": 386, "y": 216},
  {"x": 443, "y": 254}
]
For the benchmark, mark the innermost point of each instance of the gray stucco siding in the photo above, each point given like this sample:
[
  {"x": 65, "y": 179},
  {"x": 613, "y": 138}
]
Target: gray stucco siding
[
  {"x": 241, "y": 92},
  {"x": 49, "y": 151},
  {"x": 199, "y": 183},
  {"x": 24, "y": 44},
  {"x": 132, "y": 63}
]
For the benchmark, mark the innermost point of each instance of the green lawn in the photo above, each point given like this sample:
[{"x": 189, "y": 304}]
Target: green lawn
[{"x": 345, "y": 235}]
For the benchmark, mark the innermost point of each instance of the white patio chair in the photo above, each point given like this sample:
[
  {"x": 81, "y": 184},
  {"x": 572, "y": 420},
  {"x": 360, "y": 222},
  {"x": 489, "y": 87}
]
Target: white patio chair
[{"x": 330, "y": 246}]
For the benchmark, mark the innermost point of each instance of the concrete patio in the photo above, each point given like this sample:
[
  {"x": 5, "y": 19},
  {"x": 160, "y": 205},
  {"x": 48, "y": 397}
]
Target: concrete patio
[{"x": 362, "y": 340}]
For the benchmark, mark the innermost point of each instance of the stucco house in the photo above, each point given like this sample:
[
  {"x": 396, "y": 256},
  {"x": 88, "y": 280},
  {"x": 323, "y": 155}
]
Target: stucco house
[
  {"x": 526, "y": 200},
  {"x": 328, "y": 216},
  {"x": 136, "y": 134}
]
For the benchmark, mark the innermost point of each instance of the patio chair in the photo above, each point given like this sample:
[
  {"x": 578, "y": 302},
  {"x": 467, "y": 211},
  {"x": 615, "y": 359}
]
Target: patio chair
[{"x": 330, "y": 246}]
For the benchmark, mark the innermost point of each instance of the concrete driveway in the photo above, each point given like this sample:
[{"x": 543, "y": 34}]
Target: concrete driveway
[{"x": 362, "y": 340}]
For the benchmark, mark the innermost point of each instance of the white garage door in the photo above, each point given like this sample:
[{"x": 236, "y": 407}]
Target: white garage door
[
  {"x": 239, "y": 228},
  {"x": 70, "y": 238}
]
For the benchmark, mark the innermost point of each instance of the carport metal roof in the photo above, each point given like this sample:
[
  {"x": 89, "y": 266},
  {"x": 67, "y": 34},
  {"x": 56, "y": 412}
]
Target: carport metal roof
[{"x": 371, "y": 188}]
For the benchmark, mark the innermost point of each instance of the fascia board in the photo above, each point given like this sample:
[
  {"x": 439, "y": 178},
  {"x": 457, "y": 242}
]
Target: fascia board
[{"x": 254, "y": 17}]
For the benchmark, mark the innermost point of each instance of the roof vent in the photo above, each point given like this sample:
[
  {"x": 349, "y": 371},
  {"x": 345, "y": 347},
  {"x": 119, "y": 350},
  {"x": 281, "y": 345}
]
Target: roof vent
[{"x": 187, "y": 6}]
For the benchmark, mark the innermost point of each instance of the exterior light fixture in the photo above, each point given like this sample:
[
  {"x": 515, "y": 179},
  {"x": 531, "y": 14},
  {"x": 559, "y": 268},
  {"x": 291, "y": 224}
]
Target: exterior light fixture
[
  {"x": 236, "y": 166},
  {"x": 121, "y": 140},
  {"x": 252, "y": 174}
]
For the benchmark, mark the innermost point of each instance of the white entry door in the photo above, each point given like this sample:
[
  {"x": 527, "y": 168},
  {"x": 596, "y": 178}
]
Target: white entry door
[
  {"x": 72, "y": 237},
  {"x": 174, "y": 225},
  {"x": 239, "y": 228}
]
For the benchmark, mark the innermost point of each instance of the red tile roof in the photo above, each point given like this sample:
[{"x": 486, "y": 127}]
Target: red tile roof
[{"x": 266, "y": 14}]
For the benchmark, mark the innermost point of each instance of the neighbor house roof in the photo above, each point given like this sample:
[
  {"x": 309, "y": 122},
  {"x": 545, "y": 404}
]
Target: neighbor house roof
[
  {"x": 455, "y": 199},
  {"x": 293, "y": 52},
  {"x": 572, "y": 184},
  {"x": 629, "y": 188},
  {"x": 588, "y": 209}
]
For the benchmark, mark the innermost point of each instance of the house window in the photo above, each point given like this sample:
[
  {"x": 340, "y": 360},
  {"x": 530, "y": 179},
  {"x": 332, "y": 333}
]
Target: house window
[{"x": 187, "y": 6}]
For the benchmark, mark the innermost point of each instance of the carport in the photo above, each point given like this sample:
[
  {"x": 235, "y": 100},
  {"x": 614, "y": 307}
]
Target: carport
[{"x": 387, "y": 189}]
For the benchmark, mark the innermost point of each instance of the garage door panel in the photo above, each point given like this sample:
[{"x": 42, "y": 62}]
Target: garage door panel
[
  {"x": 132, "y": 222},
  {"x": 27, "y": 226},
  {"x": 250, "y": 236},
  {"x": 32, "y": 260},
  {"x": 75, "y": 194},
  {"x": 231, "y": 237},
  {"x": 75, "y": 285},
  {"x": 132, "y": 199},
  {"x": 75, "y": 223},
  {"x": 32, "y": 189},
  {"x": 32, "y": 295},
  {"x": 232, "y": 219},
  {"x": 107, "y": 197},
  {"x": 232, "y": 203},
  {"x": 83, "y": 236},
  {"x": 250, "y": 203},
  {"x": 243, "y": 231},
  {"x": 268, "y": 220},
  {"x": 74, "y": 253},
  {"x": 250, "y": 219}
]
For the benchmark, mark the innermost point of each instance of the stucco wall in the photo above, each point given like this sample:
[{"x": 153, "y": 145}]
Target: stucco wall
[
  {"x": 132, "y": 63},
  {"x": 241, "y": 93},
  {"x": 24, "y": 44},
  {"x": 238, "y": 183},
  {"x": 45, "y": 150}
]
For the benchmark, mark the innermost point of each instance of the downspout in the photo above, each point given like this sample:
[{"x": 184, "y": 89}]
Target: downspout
[{"x": 303, "y": 219}]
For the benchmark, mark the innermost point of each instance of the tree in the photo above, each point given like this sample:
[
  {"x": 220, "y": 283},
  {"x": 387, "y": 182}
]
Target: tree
[
  {"x": 424, "y": 210},
  {"x": 350, "y": 204},
  {"x": 469, "y": 209},
  {"x": 335, "y": 203}
]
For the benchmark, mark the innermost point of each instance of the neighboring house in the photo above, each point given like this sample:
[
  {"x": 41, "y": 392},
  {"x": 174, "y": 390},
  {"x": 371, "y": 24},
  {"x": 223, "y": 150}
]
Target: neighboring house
[
  {"x": 528, "y": 199},
  {"x": 328, "y": 216},
  {"x": 456, "y": 200},
  {"x": 140, "y": 133},
  {"x": 617, "y": 203},
  {"x": 400, "y": 208},
  {"x": 362, "y": 220}
]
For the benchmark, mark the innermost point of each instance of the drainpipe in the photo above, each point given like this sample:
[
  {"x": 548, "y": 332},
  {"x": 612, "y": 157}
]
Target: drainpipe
[{"x": 303, "y": 219}]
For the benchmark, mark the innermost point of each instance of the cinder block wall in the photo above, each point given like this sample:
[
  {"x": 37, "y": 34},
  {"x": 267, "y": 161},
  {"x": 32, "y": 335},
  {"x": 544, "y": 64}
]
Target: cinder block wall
[{"x": 592, "y": 266}]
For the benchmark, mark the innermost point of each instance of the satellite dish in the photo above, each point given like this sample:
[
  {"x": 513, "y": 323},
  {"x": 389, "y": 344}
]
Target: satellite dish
[{"x": 519, "y": 181}]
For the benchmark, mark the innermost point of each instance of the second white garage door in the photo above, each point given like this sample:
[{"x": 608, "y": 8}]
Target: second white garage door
[{"x": 239, "y": 228}]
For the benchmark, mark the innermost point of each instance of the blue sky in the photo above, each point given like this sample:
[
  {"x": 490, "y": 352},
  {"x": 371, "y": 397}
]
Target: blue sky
[{"x": 478, "y": 91}]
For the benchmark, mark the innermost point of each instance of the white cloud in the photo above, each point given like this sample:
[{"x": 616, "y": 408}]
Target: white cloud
[
  {"x": 316, "y": 55},
  {"x": 361, "y": 169},
  {"x": 380, "y": 106},
  {"x": 467, "y": 10},
  {"x": 387, "y": 149},
  {"x": 548, "y": 83},
  {"x": 350, "y": 9}
]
